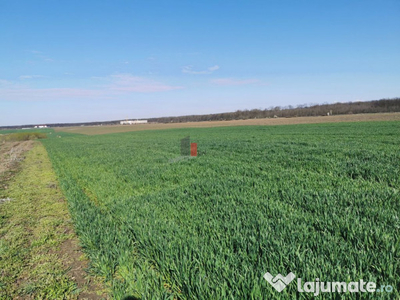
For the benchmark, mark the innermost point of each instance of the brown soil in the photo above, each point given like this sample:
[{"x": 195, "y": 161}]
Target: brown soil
[
  {"x": 72, "y": 257},
  {"x": 92, "y": 130}
]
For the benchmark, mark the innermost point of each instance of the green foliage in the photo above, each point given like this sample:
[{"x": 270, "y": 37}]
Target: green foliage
[
  {"x": 321, "y": 201},
  {"x": 22, "y": 136},
  {"x": 41, "y": 130}
]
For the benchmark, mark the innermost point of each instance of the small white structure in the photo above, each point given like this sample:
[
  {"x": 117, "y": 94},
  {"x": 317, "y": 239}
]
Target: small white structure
[
  {"x": 41, "y": 126},
  {"x": 130, "y": 122}
]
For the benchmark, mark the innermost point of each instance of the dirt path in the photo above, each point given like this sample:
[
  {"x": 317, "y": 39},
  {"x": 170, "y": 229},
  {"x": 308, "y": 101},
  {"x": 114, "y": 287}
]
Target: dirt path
[{"x": 40, "y": 257}]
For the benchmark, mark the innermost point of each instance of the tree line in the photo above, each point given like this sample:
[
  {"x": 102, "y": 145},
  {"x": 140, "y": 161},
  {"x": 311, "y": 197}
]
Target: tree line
[
  {"x": 360, "y": 107},
  {"x": 376, "y": 106}
]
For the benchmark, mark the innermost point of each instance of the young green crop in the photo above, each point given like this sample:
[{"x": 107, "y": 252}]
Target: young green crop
[{"x": 321, "y": 201}]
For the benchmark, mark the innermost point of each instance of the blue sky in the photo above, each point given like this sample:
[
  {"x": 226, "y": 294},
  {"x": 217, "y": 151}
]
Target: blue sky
[{"x": 74, "y": 61}]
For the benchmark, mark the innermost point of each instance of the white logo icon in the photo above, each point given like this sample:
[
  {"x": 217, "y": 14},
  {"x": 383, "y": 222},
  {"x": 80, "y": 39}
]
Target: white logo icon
[{"x": 279, "y": 282}]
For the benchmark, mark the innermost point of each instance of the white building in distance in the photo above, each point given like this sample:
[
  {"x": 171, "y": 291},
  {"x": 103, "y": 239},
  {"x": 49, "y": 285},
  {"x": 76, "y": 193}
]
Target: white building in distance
[{"x": 130, "y": 122}]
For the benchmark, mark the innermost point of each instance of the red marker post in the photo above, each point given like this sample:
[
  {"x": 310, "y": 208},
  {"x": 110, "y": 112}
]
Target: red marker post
[{"x": 193, "y": 149}]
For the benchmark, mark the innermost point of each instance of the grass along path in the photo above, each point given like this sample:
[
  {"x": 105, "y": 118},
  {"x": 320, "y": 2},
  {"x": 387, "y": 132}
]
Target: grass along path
[{"x": 39, "y": 253}]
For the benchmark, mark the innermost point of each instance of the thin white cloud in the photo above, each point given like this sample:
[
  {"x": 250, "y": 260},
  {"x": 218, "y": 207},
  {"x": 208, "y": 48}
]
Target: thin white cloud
[
  {"x": 22, "y": 77},
  {"x": 189, "y": 53},
  {"x": 130, "y": 83},
  {"x": 10, "y": 85},
  {"x": 4, "y": 82},
  {"x": 34, "y": 51},
  {"x": 31, "y": 94},
  {"x": 40, "y": 56},
  {"x": 108, "y": 88},
  {"x": 189, "y": 70},
  {"x": 233, "y": 81},
  {"x": 212, "y": 69}
]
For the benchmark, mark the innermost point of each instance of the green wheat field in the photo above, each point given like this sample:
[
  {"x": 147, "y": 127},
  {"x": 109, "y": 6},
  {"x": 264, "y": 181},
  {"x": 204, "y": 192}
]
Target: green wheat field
[{"x": 321, "y": 201}]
